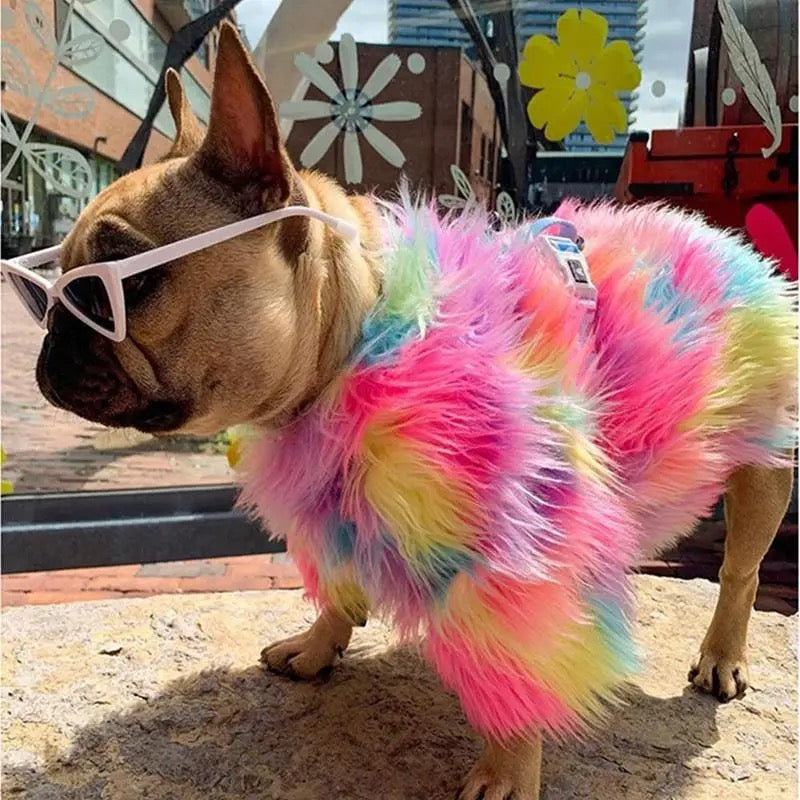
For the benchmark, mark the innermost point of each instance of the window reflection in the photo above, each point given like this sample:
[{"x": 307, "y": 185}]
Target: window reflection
[{"x": 129, "y": 62}]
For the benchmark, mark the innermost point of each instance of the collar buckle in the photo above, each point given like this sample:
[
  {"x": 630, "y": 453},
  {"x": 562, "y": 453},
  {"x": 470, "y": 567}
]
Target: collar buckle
[{"x": 565, "y": 250}]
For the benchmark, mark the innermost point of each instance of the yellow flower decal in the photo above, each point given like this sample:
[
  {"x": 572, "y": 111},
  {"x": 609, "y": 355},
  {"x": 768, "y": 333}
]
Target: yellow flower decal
[
  {"x": 6, "y": 487},
  {"x": 234, "y": 452},
  {"x": 578, "y": 78},
  {"x": 239, "y": 437}
]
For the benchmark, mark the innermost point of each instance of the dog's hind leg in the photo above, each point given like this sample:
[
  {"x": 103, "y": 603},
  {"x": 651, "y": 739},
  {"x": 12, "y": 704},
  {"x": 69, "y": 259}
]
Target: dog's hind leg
[{"x": 756, "y": 499}]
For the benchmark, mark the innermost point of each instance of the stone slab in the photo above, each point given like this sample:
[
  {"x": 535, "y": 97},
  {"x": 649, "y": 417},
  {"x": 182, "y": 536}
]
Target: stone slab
[{"x": 161, "y": 698}]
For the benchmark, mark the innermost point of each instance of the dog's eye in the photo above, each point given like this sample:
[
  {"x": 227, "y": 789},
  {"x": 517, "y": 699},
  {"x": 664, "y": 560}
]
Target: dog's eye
[{"x": 142, "y": 286}]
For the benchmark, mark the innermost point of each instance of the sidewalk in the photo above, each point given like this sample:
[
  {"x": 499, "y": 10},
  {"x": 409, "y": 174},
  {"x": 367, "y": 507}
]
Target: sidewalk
[{"x": 244, "y": 573}]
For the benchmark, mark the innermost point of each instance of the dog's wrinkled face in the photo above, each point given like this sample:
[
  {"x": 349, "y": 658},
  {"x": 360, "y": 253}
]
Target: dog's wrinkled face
[{"x": 192, "y": 324}]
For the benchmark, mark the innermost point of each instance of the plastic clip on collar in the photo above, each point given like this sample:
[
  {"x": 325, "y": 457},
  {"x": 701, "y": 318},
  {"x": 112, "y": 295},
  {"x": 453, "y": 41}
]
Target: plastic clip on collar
[{"x": 565, "y": 248}]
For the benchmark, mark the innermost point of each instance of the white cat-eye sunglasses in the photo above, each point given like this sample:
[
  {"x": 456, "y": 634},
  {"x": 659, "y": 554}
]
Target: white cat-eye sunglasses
[{"x": 94, "y": 293}]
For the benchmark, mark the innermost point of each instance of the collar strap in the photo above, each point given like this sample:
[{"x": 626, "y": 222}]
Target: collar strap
[{"x": 564, "y": 228}]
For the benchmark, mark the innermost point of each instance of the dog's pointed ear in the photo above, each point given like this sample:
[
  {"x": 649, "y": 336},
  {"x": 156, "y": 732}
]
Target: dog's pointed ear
[
  {"x": 242, "y": 145},
  {"x": 188, "y": 132}
]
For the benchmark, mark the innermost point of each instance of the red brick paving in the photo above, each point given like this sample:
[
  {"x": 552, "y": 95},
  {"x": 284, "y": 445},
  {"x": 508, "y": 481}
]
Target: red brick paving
[{"x": 108, "y": 583}]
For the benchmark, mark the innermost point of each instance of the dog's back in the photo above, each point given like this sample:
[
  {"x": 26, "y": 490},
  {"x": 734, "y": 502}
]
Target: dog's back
[{"x": 696, "y": 349}]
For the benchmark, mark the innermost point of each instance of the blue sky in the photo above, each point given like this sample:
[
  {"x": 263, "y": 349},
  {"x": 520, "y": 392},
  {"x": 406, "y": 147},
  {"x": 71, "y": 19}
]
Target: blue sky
[{"x": 666, "y": 47}]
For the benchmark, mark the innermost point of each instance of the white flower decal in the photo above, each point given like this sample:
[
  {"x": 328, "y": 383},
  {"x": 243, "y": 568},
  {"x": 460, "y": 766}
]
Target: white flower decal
[
  {"x": 506, "y": 209},
  {"x": 465, "y": 198},
  {"x": 351, "y": 110},
  {"x": 64, "y": 167}
]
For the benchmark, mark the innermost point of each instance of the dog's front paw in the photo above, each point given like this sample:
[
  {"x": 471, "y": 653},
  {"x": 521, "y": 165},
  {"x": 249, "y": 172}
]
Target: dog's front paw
[
  {"x": 504, "y": 773},
  {"x": 723, "y": 676},
  {"x": 310, "y": 655},
  {"x": 304, "y": 657}
]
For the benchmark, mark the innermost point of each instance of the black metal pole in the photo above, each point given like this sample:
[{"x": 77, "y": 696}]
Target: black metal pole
[{"x": 501, "y": 49}]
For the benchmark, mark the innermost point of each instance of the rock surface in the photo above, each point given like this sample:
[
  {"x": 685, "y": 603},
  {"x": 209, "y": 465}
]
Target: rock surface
[{"x": 160, "y": 698}]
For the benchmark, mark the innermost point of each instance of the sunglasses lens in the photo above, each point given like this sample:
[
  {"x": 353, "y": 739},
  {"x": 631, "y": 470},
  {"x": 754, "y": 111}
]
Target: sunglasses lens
[
  {"x": 89, "y": 296},
  {"x": 34, "y": 297}
]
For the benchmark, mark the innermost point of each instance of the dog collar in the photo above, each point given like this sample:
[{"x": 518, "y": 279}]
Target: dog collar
[{"x": 563, "y": 248}]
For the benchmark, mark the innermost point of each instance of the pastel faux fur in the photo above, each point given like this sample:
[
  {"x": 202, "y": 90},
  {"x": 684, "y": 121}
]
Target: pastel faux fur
[{"x": 485, "y": 477}]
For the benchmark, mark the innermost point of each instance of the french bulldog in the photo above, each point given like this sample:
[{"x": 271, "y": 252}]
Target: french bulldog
[{"x": 252, "y": 330}]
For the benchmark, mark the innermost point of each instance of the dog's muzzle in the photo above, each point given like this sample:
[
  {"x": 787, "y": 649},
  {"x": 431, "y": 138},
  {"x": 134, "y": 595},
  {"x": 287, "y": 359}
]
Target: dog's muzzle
[{"x": 78, "y": 371}]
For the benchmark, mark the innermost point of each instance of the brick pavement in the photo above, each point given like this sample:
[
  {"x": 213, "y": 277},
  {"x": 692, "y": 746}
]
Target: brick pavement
[{"x": 108, "y": 583}]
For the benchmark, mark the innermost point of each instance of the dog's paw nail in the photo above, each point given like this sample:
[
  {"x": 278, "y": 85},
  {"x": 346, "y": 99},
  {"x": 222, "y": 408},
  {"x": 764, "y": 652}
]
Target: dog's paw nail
[
  {"x": 693, "y": 673},
  {"x": 324, "y": 675}
]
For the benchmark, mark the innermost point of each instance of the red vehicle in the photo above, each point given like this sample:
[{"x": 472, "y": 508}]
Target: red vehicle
[{"x": 722, "y": 173}]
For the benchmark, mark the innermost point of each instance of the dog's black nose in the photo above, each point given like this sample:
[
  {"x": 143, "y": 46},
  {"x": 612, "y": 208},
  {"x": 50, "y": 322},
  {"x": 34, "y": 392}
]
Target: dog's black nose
[{"x": 75, "y": 369}]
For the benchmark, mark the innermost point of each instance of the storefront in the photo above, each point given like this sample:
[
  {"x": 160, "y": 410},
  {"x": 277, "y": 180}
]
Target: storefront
[{"x": 43, "y": 194}]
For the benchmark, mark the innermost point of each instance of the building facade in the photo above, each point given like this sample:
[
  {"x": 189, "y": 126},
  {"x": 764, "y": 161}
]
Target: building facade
[
  {"x": 626, "y": 21},
  {"x": 77, "y": 80},
  {"x": 452, "y": 123},
  {"x": 433, "y": 22},
  {"x": 773, "y": 27}
]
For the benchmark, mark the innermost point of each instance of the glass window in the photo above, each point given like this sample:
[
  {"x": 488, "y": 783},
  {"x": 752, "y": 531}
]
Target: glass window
[
  {"x": 42, "y": 198},
  {"x": 128, "y": 27},
  {"x": 198, "y": 97},
  {"x": 115, "y": 75},
  {"x": 202, "y": 54},
  {"x": 130, "y": 63},
  {"x": 106, "y": 172}
]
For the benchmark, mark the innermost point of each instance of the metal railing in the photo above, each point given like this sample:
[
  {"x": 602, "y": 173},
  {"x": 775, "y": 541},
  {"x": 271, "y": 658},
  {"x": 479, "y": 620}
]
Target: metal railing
[{"x": 70, "y": 530}]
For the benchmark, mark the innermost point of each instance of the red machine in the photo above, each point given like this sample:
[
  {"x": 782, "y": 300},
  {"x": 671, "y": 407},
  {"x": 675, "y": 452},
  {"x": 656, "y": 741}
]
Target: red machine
[{"x": 722, "y": 173}]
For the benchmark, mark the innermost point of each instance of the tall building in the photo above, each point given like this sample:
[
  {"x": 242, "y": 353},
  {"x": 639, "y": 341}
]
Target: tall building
[
  {"x": 425, "y": 23},
  {"x": 77, "y": 81},
  {"x": 432, "y": 22}
]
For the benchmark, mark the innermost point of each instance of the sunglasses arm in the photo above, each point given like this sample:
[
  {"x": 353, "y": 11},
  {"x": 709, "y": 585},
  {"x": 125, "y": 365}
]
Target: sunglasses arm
[{"x": 37, "y": 259}]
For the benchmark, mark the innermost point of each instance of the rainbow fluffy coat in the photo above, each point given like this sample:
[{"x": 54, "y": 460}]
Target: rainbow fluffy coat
[{"x": 485, "y": 477}]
